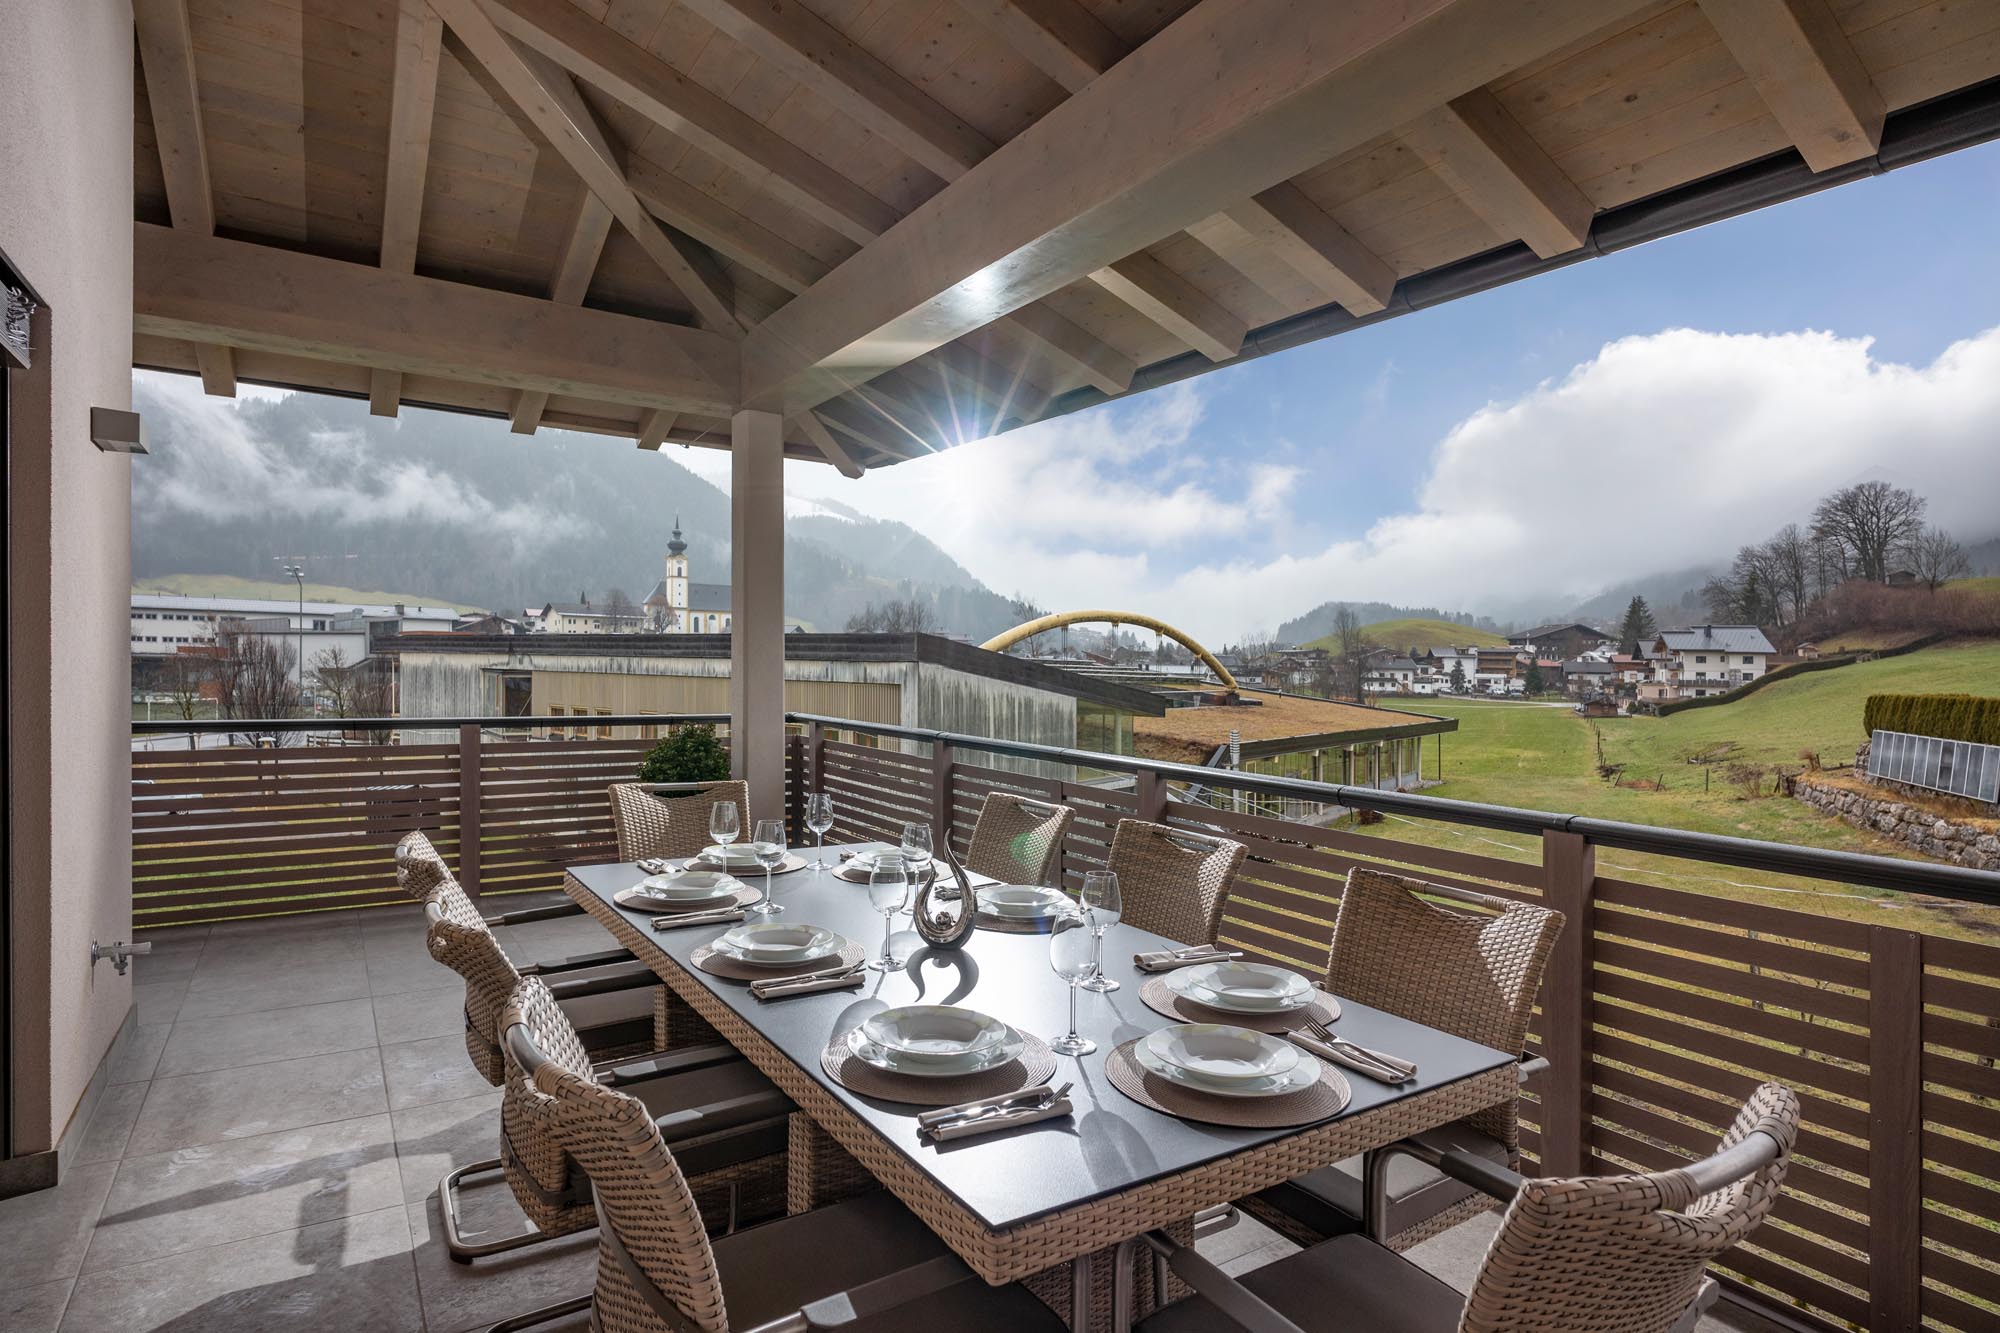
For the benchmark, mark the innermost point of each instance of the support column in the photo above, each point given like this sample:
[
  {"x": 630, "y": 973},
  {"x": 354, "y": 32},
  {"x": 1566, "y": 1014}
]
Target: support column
[{"x": 757, "y": 609}]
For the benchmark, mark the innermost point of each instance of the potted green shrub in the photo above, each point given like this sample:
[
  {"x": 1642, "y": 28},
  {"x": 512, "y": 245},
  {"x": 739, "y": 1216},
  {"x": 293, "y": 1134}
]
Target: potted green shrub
[{"x": 688, "y": 754}]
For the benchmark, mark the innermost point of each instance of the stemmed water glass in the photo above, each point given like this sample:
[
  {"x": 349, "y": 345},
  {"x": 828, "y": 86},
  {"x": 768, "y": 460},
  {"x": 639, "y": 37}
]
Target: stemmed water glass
[
  {"x": 768, "y": 842},
  {"x": 916, "y": 849},
  {"x": 819, "y": 818},
  {"x": 1102, "y": 907},
  {"x": 723, "y": 826},
  {"x": 1070, "y": 946},
  {"x": 888, "y": 891}
]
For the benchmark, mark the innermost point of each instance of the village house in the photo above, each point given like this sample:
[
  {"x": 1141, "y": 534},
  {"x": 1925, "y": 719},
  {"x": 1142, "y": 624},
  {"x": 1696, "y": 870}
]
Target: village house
[
  {"x": 1559, "y": 641},
  {"x": 1710, "y": 659}
]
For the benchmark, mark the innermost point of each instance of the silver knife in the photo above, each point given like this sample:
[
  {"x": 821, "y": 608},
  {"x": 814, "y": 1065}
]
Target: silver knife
[
  {"x": 1013, "y": 1101},
  {"x": 831, "y": 974}
]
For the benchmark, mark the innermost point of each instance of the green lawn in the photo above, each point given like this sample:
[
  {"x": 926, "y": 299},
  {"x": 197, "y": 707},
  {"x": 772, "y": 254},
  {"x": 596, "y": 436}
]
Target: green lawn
[
  {"x": 1545, "y": 758},
  {"x": 1414, "y": 633}
]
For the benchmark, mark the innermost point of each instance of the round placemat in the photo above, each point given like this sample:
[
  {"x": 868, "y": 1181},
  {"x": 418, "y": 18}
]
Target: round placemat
[
  {"x": 1328, "y": 1097},
  {"x": 741, "y": 897},
  {"x": 793, "y": 861},
  {"x": 1015, "y": 925},
  {"x": 1035, "y": 1064},
  {"x": 718, "y": 964},
  {"x": 848, "y": 871},
  {"x": 1162, "y": 1000}
]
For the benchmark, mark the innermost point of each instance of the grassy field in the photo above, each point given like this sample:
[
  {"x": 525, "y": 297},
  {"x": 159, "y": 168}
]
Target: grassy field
[
  {"x": 229, "y": 585},
  {"x": 1414, "y": 633},
  {"x": 1545, "y": 758}
]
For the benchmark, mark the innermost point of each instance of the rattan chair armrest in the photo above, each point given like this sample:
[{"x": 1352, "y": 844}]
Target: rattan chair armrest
[
  {"x": 644, "y": 1068},
  {"x": 1484, "y": 1176},
  {"x": 576, "y": 962},
  {"x": 872, "y": 1298},
  {"x": 575, "y": 988},
  {"x": 525, "y": 915},
  {"x": 1530, "y": 1066},
  {"x": 768, "y": 1104},
  {"x": 1242, "y": 1306}
]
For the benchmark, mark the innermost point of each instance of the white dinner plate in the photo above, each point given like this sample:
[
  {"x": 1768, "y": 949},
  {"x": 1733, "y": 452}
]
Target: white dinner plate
[
  {"x": 934, "y": 1033},
  {"x": 777, "y": 943},
  {"x": 1247, "y": 988},
  {"x": 895, "y": 1062},
  {"x": 1300, "y": 1077},
  {"x": 736, "y": 856},
  {"x": 1027, "y": 901},
  {"x": 689, "y": 885},
  {"x": 1220, "y": 1054}
]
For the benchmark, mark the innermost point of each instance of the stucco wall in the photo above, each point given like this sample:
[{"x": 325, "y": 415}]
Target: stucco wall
[{"x": 66, "y": 227}]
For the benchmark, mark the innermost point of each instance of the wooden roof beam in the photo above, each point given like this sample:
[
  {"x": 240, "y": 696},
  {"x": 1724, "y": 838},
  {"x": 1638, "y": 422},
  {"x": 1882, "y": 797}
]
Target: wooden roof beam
[
  {"x": 166, "y": 58},
  {"x": 1229, "y": 100},
  {"x": 1175, "y": 304},
  {"x": 206, "y": 289},
  {"x": 654, "y": 428},
  {"x": 1060, "y": 38},
  {"x": 588, "y": 231},
  {"x": 543, "y": 91},
  {"x": 412, "y": 99},
  {"x": 1478, "y": 146},
  {"x": 1806, "y": 71},
  {"x": 832, "y": 450}
]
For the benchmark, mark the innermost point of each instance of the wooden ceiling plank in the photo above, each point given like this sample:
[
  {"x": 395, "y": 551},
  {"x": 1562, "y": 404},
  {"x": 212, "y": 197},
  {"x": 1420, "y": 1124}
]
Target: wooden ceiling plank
[
  {"x": 1477, "y": 145},
  {"x": 1175, "y": 304},
  {"x": 412, "y": 103},
  {"x": 1059, "y": 37},
  {"x": 1322, "y": 251},
  {"x": 588, "y": 231},
  {"x": 654, "y": 427},
  {"x": 207, "y": 289},
  {"x": 829, "y": 448},
  {"x": 1100, "y": 364},
  {"x": 166, "y": 58},
  {"x": 685, "y": 109},
  {"x": 1808, "y": 74},
  {"x": 818, "y": 55},
  {"x": 544, "y": 93}
]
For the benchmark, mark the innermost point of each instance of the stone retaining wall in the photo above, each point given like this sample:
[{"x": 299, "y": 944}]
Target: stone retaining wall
[{"x": 1966, "y": 843}]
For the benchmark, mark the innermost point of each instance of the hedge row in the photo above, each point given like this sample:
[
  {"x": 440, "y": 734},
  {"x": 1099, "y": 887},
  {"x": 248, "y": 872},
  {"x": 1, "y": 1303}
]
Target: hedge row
[
  {"x": 1952, "y": 717},
  {"x": 1775, "y": 674}
]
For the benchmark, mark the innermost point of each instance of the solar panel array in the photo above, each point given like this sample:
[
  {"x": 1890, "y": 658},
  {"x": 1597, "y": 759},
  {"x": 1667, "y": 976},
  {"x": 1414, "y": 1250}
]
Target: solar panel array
[{"x": 1958, "y": 767}]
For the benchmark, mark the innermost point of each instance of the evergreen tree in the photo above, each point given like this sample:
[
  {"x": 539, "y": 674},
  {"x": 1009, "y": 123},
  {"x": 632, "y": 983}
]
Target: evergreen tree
[
  {"x": 1534, "y": 680},
  {"x": 1458, "y": 678},
  {"x": 1638, "y": 628}
]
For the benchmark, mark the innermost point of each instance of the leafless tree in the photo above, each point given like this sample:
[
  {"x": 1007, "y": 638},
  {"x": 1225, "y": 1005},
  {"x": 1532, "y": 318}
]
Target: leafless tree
[
  {"x": 618, "y": 606},
  {"x": 1788, "y": 568},
  {"x": 903, "y": 616},
  {"x": 1350, "y": 648},
  {"x": 333, "y": 678},
  {"x": 1936, "y": 558},
  {"x": 254, "y": 676},
  {"x": 185, "y": 676},
  {"x": 1870, "y": 521}
]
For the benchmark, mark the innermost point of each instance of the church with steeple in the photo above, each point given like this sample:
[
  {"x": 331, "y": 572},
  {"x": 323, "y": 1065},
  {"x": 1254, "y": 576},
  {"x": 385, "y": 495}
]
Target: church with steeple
[{"x": 678, "y": 605}]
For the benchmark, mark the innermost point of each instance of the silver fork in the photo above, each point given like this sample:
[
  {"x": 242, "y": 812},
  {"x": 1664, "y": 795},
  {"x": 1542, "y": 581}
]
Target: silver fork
[{"x": 1348, "y": 1048}]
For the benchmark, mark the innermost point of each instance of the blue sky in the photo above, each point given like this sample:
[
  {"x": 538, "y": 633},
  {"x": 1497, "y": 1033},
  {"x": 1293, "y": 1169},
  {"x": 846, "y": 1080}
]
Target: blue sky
[{"x": 1684, "y": 397}]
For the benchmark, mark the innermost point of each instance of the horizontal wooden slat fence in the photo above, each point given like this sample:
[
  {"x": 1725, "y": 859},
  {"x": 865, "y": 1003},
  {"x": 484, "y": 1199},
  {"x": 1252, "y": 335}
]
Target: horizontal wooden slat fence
[{"x": 1661, "y": 1008}]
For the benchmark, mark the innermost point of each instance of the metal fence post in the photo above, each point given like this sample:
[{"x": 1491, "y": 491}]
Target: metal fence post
[
  {"x": 1895, "y": 1127},
  {"x": 1569, "y": 872},
  {"x": 468, "y": 808}
]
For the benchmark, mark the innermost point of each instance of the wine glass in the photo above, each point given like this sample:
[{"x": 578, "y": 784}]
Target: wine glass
[
  {"x": 723, "y": 826},
  {"x": 888, "y": 891},
  {"x": 916, "y": 850},
  {"x": 768, "y": 842},
  {"x": 819, "y": 818},
  {"x": 1070, "y": 946},
  {"x": 1102, "y": 907}
]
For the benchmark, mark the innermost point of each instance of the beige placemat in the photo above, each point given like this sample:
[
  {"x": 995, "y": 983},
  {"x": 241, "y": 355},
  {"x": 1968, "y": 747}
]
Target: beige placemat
[
  {"x": 1035, "y": 1064},
  {"x": 1162, "y": 1000},
  {"x": 853, "y": 874},
  {"x": 1328, "y": 1097},
  {"x": 1014, "y": 925},
  {"x": 793, "y": 861},
  {"x": 742, "y": 897},
  {"x": 718, "y": 964}
]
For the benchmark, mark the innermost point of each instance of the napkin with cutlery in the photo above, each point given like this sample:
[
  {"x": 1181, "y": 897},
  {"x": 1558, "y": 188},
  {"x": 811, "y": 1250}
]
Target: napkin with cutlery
[
  {"x": 1166, "y": 960},
  {"x": 660, "y": 865},
  {"x": 1378, "y": 1065},
  {"x": 777, "y": 988},
  {"x": 720, "y": 917},
  {"x": 1026, "y": 1107}
]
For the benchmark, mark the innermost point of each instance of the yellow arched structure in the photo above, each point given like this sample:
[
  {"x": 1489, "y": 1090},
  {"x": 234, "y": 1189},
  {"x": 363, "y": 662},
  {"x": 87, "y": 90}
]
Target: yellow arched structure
[{"x": 1000, "y": 643}]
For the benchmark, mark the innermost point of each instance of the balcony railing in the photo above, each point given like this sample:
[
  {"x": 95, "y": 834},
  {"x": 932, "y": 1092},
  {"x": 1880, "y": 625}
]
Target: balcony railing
[{"x": 1662, "y": 1007}]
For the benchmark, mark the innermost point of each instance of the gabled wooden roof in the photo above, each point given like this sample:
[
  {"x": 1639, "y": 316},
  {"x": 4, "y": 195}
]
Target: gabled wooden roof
[{"x": 907, "y": 223}]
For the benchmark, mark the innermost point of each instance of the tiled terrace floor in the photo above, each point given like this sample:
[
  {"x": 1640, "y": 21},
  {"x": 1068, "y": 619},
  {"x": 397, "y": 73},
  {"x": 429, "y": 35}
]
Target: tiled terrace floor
[{"x": 268, "y": 1152}]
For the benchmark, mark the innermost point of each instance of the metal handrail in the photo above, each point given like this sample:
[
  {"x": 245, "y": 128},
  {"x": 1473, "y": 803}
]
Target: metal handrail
[{"x": 163, "y": 726}]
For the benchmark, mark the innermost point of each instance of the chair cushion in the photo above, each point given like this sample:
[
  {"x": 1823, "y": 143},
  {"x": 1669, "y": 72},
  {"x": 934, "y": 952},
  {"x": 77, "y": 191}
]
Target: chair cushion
[
  {"x": 1329, "y": 1200},
  {"x": 1348, "y": 1282},
  {"x": 772, "y": 1269}
]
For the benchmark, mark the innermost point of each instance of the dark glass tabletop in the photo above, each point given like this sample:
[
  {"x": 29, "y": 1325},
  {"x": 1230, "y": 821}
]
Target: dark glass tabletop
[{"x": 1111, "y": 1143}]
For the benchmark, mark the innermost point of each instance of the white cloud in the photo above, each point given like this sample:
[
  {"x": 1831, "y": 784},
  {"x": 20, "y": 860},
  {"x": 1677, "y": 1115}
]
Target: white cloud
[{"x": 1661, "y": 452}]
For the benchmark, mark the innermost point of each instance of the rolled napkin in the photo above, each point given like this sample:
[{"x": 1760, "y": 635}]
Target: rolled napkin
[
  {"x": 1020, "y": 1096},
  {"x": 1382, "y": 1068},
  {"x": 1166, "y": 960},
  {"x": 721, "y": 918},
  {"x": 987, "y": 1124},
  {"x": 660, "y": 865},
  {"x": 778, "y": 988}
]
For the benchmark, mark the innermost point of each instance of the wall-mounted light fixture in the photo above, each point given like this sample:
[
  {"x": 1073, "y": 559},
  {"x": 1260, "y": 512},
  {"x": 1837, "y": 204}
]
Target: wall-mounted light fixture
[{"x": 117, "y": 432}]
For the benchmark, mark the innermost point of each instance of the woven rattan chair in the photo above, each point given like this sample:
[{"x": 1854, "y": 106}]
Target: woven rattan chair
[
  {"x": 1173, "y": 881},
  {"x": 1607, "y": 1254},
  {"x": 705, "y": 1086},
  {"x": 866, "y": 1264},
  {"x": 421, "y": 869},
  {"x": 670, "y": 818},
  {"x": 1017, "y": 840},
  {"x": 1470, "y": 968}
]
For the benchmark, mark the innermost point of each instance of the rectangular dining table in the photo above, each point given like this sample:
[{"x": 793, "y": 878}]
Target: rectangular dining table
[{"x": 1021, "y": 1202}]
